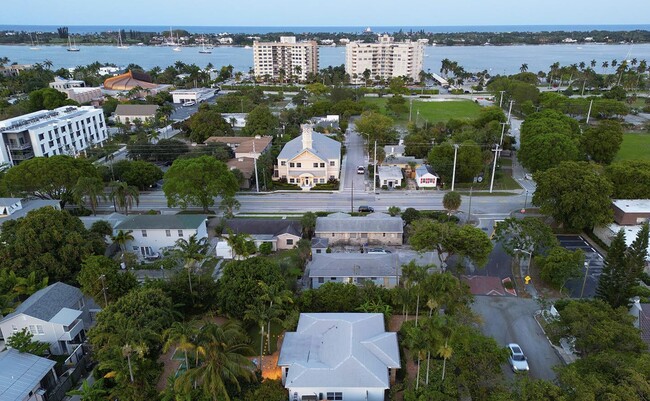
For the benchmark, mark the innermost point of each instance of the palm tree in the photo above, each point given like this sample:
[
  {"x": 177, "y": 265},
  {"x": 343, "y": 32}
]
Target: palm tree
[
  {"x": 229, "y": 205},
  {"x": 129, "y": 350},
  {"x": 183, "y": 335},
  {"x": 276, "y": 297},
  {"x": 123, "y": 195},
  {"x": 241, "y": 244},
  {"x": 605, "y": 66},
  {"x": 122, "y": 237},
  {"x": 414, "y": 276},
  {"x": 222, "y": 362},
  {"x": 416, "y": 342},
  {"x": 259, "y": 314},
  {"x": 593, "y": 63},
  {"x": 192, "y": 251},
  {"x": 26, "y": 286},
  {"x": 91, "y": 392},
  {"x": 445, "y": 351},
  {"x": 523, "y": 68},
  {"x": 90, "y": 188}
]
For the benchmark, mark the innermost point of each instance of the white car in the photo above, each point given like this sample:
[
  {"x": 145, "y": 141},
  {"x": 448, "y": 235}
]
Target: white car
[
  {"x": 361, "y": 170},
  {"x": 189, "y": 103},
  {"x": 517, "y": 359}
]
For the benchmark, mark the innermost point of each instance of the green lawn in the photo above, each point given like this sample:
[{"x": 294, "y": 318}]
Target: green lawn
[
  {"x": 635, "y": 146},
  {"x": 433, "y": 111}
]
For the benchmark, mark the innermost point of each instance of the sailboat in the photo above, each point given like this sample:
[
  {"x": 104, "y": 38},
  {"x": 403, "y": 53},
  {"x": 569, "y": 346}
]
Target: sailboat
[
  {"x": 72, "y": 47},
  {"x": 204, "y": 50},
  {"x": 178, "y": 46},
  {"x": 120, "y": 45},
  {"x": 34, "y": 47}
]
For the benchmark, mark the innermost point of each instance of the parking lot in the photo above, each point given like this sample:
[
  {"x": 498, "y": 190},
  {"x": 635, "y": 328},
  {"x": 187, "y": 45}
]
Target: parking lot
[{"x": 595, "y": 269}]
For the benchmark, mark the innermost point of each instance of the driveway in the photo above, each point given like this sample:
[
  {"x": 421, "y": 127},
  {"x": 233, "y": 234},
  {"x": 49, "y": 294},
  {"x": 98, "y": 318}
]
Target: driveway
[
  {"x": 355, "y": 156},
  {"x": 510, "y": 320},
  {"x": 592, "y": 257}
]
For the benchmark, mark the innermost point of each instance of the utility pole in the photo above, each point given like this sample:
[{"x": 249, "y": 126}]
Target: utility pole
[
  {"x": 102, "y": 277},
  {"x": 410, "y": 109},
  {"x": 257, "y": 181},
  {"x": 501, "y": 99},
  {"x": 453, "y": 174},
  {"x": 584, "y": 281},
  {"x": 494, "y": 166},
  {"x": 352, "y": 198},
  {"x": 503, "y": 130},
  {"x": 469, "y": 212},
  {"x": 510, "y": 110},
  {"x": 589, "y": 112},
  {"x": 374, "y": 176}
]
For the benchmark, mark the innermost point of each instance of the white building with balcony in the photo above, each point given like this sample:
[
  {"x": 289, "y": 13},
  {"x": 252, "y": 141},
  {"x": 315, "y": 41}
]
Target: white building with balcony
[
  {"x": 287, "y": 57},
  {"x": 67, "y": 130},
  {"x": 57, "y": 314},
  {"x": 386, "y": 59}
]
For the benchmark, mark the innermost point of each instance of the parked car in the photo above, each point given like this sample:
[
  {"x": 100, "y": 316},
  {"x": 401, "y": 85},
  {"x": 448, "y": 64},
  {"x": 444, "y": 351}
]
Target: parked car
[
  {"x": 366, "y": 209},
  {"x": 189, "y": 103},
  {"x": 517, "y": 359},
  {"x": 361, "y": 170},
  {"x": 528, "y": 176},
  {"x": 378, "y": 251}
]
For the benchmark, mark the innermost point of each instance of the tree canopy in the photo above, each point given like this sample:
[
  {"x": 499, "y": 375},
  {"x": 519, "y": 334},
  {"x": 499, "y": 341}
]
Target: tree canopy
[
  {"x": 601, "y": 143},
  {"x": 207, "y": 122},
  {"x": 100, "y": 275},
  {"x": 469, "y": 161},
  {"x": 376, "y": 127},
  {"x": 529, "y": 233},
  {"x": 260, "y": 121},
  {"x": 631, "y": 179}
]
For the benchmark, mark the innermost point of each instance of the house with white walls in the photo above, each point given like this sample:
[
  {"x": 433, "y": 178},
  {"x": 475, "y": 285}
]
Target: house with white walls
[
  {"x": 372, "y": 229},
  {"x": 309, "y": 159},
  {"x": 339, "y": 356},
  {"x": 425, "y": 177},
  {"x": 383, "y": 270},
  {"x": 153, "y": 234},
  {"x": 57, "y": 314}
]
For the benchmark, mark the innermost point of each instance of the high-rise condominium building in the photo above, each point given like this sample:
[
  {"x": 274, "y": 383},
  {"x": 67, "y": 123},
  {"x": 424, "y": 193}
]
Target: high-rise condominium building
[
  {"x": 287, "y": 57},
  {"x": 67, "y": 130},
  {"x": 386, "y": 59}
]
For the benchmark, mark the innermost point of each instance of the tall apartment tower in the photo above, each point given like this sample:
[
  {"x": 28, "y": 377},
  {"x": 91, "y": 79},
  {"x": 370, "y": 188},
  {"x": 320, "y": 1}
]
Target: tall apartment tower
[
  {"x": 294, "y": 58},
  {"x": 67, "y": 130},
  {"x": 386, "y": 59}
]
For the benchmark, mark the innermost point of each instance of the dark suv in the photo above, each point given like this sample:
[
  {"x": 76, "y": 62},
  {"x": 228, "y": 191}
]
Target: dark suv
[{"x": 366, "y": 209}]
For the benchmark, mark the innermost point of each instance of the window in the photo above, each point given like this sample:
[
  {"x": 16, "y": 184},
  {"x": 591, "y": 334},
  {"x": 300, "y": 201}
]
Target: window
[
  {"x": 332, "y": 278},
  {"x": 292, "y": 165},
  {"x": 332, "y": 177},
  {"x": 144, "y": 233},
  {"x": 334, "y": 396},
  {"x": 289, "y": 242},
  {"x": 332, "y": 163},
  {"x": 322, "y": 164},
  {"x": 291, "y": 180},
  {"x": 321, "y": 280},
  {"x": 180, "y": 233},
  {"x": 384, "y": 234},
  {"x": 298, "y": 164},
  {"x": 316, "y": 165},
  {"x": 39, "y": 329},
  {"x": 283, "y": 163},
  {"x": 14, "y": 328},
  {"x": 168, "y": 233},
  {"x": 318, "y": 251}
]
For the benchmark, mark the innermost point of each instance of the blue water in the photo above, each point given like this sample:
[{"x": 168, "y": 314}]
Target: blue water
[
  {"x": 495, "y": 59},
  {"x": 81, "y": 29}
]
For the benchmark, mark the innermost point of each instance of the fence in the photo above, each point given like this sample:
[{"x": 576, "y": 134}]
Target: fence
[{"x": 69, "y": 379}]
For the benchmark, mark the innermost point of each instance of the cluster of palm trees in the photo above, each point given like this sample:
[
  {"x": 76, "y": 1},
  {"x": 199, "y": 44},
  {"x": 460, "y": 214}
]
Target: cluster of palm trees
[
  {"x": 91, "y": 191},
  {"x": 628, "y": 72},
  {"x": 214, "y": 358},
  {"x": 15, "y": 289}
]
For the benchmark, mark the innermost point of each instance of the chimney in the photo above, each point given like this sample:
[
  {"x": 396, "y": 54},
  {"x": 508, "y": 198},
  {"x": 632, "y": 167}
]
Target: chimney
[{"x": 306, "y": 136}]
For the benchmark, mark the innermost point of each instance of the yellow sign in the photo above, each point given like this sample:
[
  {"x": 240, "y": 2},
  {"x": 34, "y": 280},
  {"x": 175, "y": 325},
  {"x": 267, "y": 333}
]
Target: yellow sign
[{"x": 527, "y": 279}]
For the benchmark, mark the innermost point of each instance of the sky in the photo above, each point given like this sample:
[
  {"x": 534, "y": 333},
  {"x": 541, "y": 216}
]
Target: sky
[{"x": 324, "y": 13}]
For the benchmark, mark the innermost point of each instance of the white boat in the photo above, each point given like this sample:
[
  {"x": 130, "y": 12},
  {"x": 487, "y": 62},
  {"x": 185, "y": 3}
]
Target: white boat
[
  {"x": 72, "y": 47},
  {"x": 34, "y": 47},
  {"x": 247, "y": 47},
  {"x": 120, "y": 45},
  {"x": 204, "y": 50},
  {"x": 368, "y": 30},
  {"x": 178, "y": 46}
]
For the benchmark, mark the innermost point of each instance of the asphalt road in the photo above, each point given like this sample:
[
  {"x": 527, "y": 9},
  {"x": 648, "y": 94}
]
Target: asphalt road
[
  {"x": 510, "y": 320},
  {"x": 592, "y": 257},
  {"x": 354, "y": 157}
]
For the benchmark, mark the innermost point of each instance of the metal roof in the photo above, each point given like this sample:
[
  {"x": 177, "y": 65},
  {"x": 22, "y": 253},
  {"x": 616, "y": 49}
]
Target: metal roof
[
  {"x": 355, "y": 264},
  {"x": 162, "y": 222},
  {"x": 372, "y": 223},
  {"x": 335, "y": 350},
  {"x": 45, "y": 303},
  {"x": 20, "y": 373}
]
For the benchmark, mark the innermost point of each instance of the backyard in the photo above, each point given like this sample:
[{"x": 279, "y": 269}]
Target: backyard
[
  {"x": 635, "y": 146},
  {"x": 433, "y": 111}
]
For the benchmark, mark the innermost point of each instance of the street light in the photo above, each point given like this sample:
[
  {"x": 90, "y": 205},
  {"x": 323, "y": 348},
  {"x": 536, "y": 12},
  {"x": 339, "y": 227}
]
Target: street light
[
  {"x": 584, "y": 281},
  {"x": 530, "y": 260},
  {"x": 525, "y": 203}
]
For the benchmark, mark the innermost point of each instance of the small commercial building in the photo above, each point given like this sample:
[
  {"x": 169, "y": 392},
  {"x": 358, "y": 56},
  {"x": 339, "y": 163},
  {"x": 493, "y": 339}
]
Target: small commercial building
[
  {"x": 196, "y": 95},
  {"x": 128, "y": 113},
  {"x": 631, "y": 211}
]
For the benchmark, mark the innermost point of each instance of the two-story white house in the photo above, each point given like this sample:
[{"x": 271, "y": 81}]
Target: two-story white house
[
  {"x": 339, "y": 356},
  {"x": 309, "y": 159},
  {"x": 152, "y": 234},
  {"x": 57, "y": 314}
]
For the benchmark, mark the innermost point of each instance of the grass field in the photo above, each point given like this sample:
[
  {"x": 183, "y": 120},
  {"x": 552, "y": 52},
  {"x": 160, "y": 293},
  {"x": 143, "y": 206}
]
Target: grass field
[
  {"x": 434, "y": 111},
  {"x": 635, "y": 146}
]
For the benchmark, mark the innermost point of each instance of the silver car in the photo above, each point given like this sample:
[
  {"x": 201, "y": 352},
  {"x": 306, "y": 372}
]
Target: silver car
[{"x": 517, "y": 359}]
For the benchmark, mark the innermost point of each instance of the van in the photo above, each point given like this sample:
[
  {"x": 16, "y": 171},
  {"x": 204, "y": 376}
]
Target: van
[{"x": 366, "y": 209}]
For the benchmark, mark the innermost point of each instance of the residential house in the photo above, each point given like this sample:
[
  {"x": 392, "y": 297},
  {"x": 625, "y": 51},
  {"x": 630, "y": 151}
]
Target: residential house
[
  {"x": 339, "y": 356},
  {"x": 14, "y": 70},
  {"x": 15, "y": 208},
  {"x": 390, "y": 176},
  {"x": 57, "y": 314},
  {"x": 128, "y": 113},
  {"x": 425, "y": 177},
  {"x": 319, "y": 245},
  {"x": 395, "y": 150},
  {"x": 153, "y": 234},
  {"x": 328, "y": 124},
  {"x": 309, "y": 159},
  {"x": 25, "y": 377},
  {"x": 281, "y": 233},
  {"x": 407, "y": 163},
  {"x": 246, "y": 150},
  {"x": 383, "y": 270},
  {"x": 373, "y": 229}
]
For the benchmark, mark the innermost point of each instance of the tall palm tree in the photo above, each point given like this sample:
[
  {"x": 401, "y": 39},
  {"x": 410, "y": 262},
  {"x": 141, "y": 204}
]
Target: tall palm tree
[
  {"x": 26, "y": 286},
  {"x": 183, "y": 334},
  {"x": 192, "y": 251},
  {"x": 91, "y": 189},
  {"x": 593, "y": 63},
  {"x": 91, "y": 392},
  {"x": 413, "y": 278},
  {"x": 259, "y": 314},
  {"x": 129, "y": 350},
  {"x": 241, "y": 244},
  {"x": 124, "y": 195},
  {"x": 416, "y": 342},
  {"x": 605, "y": 66},
  {"x": 276, "y": 298},
  {"x": 221, "y": 362},
  {"x": 122, "y": 237},
  {"x": 523, "y": 68}
]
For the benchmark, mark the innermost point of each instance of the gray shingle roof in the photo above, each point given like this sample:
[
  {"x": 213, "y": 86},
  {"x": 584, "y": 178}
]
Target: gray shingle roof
[
  {"x": 47, "y": 302},
  {"x": 390, "y": 173},
  {"x": 322, "y": 146},
  {"x": 162, "y": 222},
  {"x": 372, "y": 223},
  {"x": 318, "y": 242},
  {"x": 354, "y": 264},
  {"x": 273, "y": 227},
  {"x": 424, "y": 169},
  {"x": 20, "y": 373}
]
